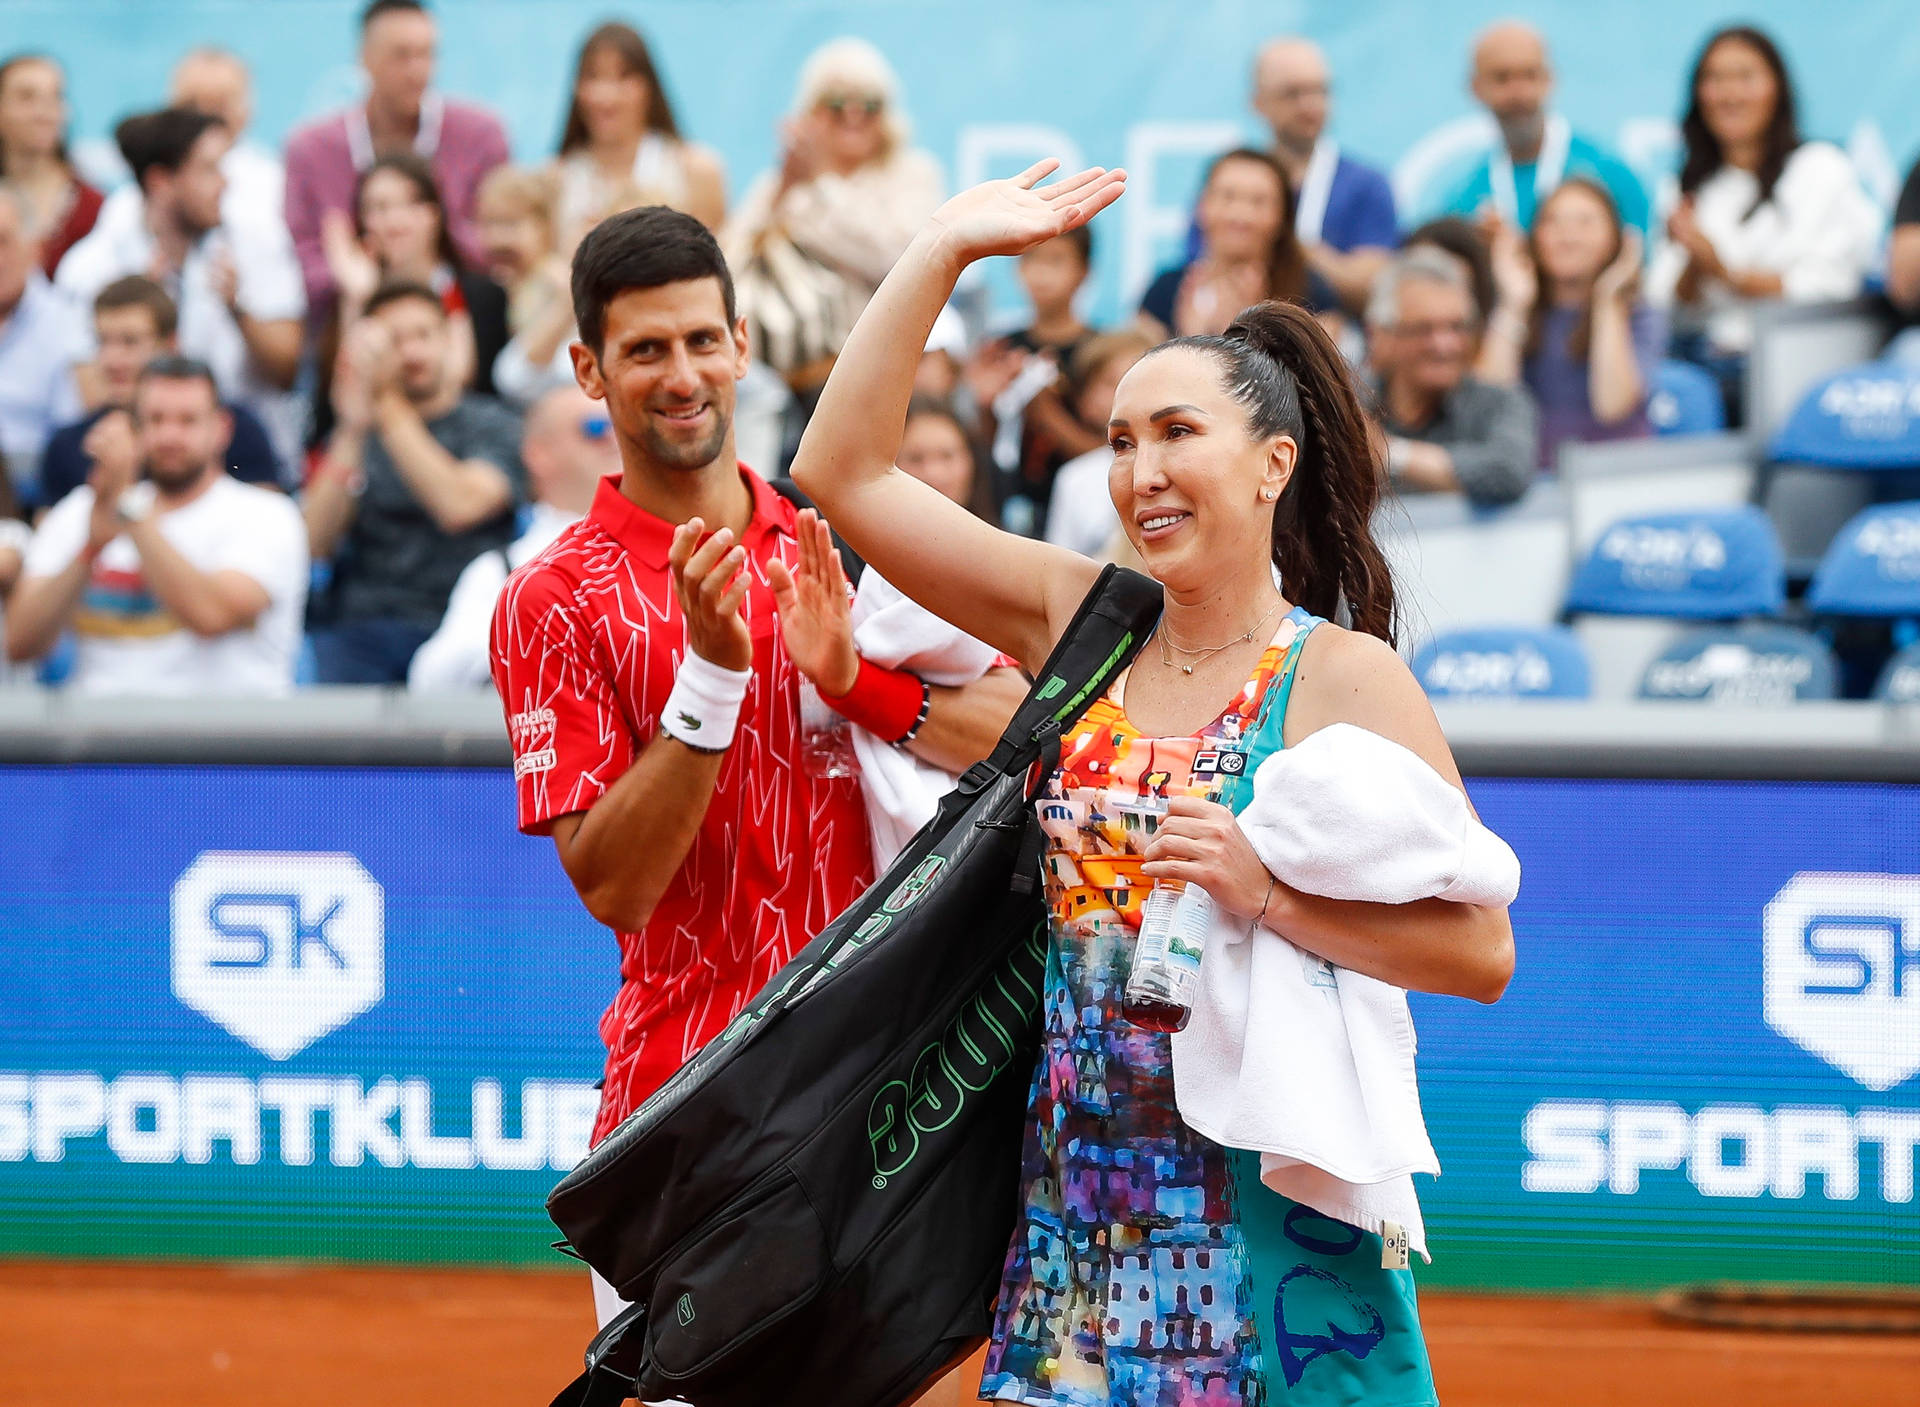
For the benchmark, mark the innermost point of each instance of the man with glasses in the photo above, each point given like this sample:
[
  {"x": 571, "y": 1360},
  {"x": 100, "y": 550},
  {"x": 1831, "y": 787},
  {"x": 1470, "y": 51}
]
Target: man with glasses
[
  {"x": 568, "y": 449},
  {"x": 1343, "y": 209},
  {"x": 1445, "y": 430}
]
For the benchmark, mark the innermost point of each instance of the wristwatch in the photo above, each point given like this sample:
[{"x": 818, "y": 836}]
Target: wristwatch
[{"x": 136, "y": 503}]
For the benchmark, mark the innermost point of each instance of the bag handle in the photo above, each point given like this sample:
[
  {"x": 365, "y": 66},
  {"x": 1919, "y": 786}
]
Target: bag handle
[
  {"x": 613, "y": 1364},
  {"x": 1106, "y": 632}
]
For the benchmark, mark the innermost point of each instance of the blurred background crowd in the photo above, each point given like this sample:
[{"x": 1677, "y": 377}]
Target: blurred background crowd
[{"x": 284, "y": 416}]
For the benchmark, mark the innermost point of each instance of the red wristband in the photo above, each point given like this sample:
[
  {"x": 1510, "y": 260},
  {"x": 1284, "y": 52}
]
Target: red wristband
[{"x": 886, "y": 702}]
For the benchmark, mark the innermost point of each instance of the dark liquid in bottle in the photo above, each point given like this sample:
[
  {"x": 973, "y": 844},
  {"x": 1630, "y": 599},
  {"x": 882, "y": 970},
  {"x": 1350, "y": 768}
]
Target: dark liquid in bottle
[{"x": 1151, "y": 1015}]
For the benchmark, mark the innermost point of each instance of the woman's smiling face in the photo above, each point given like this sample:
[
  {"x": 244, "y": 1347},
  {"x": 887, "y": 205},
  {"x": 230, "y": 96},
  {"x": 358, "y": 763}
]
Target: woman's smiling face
[{"x": 1188, "y": 477}]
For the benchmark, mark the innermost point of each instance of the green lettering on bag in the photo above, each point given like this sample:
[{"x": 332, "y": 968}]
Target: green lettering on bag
[
  {"x": 1097, "y": 681},
  {"x": 976, "y": 1046}
]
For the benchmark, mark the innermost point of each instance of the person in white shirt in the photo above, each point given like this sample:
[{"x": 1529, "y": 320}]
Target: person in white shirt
[
  {"x": 1762, "y": 213},
  {"x": 568, "y": 448},
  {"x": 184, "y": 581},
  {"x": 215, "y": 81},
  {"x": 236, "y": 282},
  {"x": 39, "y": 343}
]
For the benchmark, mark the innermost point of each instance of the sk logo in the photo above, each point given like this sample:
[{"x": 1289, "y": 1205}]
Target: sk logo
[
  {"x": 278, "y": 949},
  {"x": 1843, "y": 972},
  {"x": 683, "y": 1311}
]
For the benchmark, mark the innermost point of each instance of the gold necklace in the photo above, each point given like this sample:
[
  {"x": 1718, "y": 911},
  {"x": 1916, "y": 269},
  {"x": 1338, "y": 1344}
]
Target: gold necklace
[{"x": 1200, "y": 656}]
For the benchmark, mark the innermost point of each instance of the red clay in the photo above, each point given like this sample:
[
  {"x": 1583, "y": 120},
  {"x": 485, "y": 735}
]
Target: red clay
[{"x": 254, "y": 1336}]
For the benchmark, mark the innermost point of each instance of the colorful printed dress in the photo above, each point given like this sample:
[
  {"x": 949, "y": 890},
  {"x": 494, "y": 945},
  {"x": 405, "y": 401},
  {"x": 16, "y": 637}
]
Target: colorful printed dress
[{"x": 1151, "y": 1268}]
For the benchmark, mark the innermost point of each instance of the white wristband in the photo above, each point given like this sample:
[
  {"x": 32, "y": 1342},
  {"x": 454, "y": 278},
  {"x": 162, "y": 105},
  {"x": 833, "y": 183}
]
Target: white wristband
[{"x": 704, "y": 706}]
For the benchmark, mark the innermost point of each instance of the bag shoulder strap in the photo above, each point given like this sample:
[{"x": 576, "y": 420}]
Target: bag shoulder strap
[
  {"x": 794, "y": 494},
  {"x": 613, "y": 1363},
  {"x": 1101, "y": 640}
]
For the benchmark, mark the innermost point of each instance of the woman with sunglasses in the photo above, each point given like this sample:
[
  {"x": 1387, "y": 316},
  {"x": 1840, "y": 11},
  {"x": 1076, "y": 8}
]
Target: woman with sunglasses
[
  {"x": 567, "y": 448},
  {"x": 849, "y": 192},
  {"x": 1150, "y": 1266}
]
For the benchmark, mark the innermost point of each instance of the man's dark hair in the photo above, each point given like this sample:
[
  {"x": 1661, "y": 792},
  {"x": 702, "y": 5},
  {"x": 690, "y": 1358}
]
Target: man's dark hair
[
  {"x": 389, "y": 7},
  {"x": 137, "y": 291},
  {"x": 175, "y": 368},
  {"x": 399, "y": 290},
  {"x": 160, "y": 140},
  {"x": 642, "y": 248}
]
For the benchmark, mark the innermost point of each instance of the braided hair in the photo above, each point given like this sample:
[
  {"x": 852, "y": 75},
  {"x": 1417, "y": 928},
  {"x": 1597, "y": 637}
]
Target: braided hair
[{"x": 1278, "y": 362}]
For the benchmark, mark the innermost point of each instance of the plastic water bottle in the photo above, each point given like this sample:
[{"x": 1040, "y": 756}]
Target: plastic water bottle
[
  {"x": 826, "y": 739},
  {"x": 1174, "y": 923}
]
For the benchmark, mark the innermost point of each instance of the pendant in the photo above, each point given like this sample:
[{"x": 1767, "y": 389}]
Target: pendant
[{"x": 1186, "y": 669}]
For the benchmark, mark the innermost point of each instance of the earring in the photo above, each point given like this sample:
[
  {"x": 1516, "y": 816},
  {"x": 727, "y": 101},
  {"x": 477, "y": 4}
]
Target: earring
[{"x": 1267, "y": 494}]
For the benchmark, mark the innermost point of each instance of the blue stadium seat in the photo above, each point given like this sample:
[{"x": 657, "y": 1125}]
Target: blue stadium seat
[
  {"x": 1743, "y": 664},
  {"x": 1504, "y": 662},
  {"x": 1899, "y": 680},
  {"x": 306, "y": 665},
  {"x": 1866, "y": 417},
  {"x": 1685, "y": 400},
  {"x": 1721, "y": 564},
  {"x": 56, "y": 666},
  {"x": 1873, "y": 566}
]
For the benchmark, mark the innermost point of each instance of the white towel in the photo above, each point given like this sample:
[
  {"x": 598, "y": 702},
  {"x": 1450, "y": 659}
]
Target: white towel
[
  {"x": 900, "y": 790},
  {"x": 1309, "y": 1065}
]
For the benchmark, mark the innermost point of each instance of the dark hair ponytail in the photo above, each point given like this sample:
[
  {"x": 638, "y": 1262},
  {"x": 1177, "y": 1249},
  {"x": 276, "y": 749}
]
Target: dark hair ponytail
[{"x": 1281, "y": 365}]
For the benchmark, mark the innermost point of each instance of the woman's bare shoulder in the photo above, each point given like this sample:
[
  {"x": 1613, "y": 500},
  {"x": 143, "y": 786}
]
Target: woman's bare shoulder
[{"x": 1344, "y": 676}]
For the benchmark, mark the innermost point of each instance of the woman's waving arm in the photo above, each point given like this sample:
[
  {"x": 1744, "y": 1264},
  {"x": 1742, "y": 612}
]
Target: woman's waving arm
[{"x": 1009, "y": 591}]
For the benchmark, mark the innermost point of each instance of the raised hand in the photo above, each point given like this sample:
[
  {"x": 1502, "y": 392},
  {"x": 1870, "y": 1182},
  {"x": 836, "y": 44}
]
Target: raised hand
[
  {"x": 1622, "y": 276},
  {"x": 1515, "y": 280},
  {"x": 816, "y": 620},
  {"x": 710, "y": 579},
  {"x": 1012, "y": 216},
  {"x": 354, "y": 271}
]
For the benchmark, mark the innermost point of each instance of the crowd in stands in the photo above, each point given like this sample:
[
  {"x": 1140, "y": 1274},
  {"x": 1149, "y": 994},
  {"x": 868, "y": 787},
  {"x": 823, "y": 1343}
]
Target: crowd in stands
[{"x": 272, "y": 419}]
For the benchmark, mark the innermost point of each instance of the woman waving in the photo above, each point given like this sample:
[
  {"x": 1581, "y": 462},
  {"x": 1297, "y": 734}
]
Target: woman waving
[{"x": 1151, "y": 1266}]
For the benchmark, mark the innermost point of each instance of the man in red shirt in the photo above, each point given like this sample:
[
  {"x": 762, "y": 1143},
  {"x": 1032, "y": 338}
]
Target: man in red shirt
[{"x": 652, "y": 687}]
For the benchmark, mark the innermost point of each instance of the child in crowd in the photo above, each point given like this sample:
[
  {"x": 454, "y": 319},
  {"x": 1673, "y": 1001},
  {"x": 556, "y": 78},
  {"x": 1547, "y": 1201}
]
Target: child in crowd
[
  {"x": 1081, "y": 514},
  {"x": 1017, "y": 382},
  {"x": 1569, "y": 320},
  {"x": 515, "y": 207}
]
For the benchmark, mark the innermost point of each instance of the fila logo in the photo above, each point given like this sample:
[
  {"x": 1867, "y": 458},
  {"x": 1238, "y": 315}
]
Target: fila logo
[
  {"x": 1843, "y": 972},
  {"x": 278, "y": 949}
]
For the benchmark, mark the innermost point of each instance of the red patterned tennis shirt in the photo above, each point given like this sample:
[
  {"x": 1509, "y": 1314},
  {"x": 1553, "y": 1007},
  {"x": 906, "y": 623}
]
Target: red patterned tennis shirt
[{"x": 586, "y": 640}]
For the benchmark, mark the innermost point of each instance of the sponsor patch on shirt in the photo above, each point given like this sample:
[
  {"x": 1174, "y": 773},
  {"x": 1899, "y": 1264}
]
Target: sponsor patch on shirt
[
  {"x": 541, "y": 761},
  {"x": 1219, "y": 761},
  {"x": 527, "y": 726}
]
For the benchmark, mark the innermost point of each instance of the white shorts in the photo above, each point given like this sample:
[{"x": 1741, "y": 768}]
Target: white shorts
[{"x": 607, "y": 1307}]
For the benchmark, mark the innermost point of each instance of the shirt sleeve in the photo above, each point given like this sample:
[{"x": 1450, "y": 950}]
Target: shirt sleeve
[
  {"x": 269, "y": 548},
  {"x": 496, "y": 439},
  {"x": 60, "y": 536},
  {"x": 1370, "y": 222},
  {"x": 569, "y": 736},
  {"x": 1828, "y": 226},
  {"x": 305, "y": 202},
  {"x": 250, "y": 456},
  {"x": 1649, "y": 330},
  {"x": 1498, "y": 466},
  {"x": 271, "y": 288},
  {"x": 1157, "y": 302}
]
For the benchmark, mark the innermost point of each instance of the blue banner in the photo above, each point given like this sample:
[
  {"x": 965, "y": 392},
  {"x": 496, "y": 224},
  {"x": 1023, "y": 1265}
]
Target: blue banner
[
  {"x": 345, "y": 1013},
  {"x": 993, "y": 84}
]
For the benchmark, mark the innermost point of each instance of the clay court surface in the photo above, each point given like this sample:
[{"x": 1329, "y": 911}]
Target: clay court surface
[{"x": 290, "y": 1337}]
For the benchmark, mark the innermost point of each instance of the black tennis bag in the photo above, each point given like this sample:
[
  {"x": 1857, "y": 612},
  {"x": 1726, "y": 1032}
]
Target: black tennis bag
[{"x": 814, "y": 1210}]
